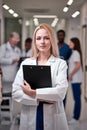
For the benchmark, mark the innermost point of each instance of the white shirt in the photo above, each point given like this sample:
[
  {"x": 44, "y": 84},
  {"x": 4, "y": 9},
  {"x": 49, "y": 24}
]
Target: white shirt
[
  {"x": 77, "y": 77},
  {"x": 27, "y": 54}
]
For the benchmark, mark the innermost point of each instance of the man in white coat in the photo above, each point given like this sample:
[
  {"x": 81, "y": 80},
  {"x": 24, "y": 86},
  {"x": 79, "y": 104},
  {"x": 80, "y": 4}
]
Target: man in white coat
[{"x": 9, "y": 57}]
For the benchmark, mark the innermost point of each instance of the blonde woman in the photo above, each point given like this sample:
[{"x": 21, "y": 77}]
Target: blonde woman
[{"x": 42, "y": 109}]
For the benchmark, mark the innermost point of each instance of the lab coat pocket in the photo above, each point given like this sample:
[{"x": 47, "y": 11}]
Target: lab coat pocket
[{"x": 60, "y": 122}]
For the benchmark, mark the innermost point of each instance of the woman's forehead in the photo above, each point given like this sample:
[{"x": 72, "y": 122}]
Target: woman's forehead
[{"x": 42, "y": 31}]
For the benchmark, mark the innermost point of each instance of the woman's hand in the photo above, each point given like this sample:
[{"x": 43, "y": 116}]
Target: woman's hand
[
  {"x": 70, "y": 77},
  {"x": 76, "y": 68},
  {"x": 27, "y": 89},
  {"x": 46, "y": 101}
]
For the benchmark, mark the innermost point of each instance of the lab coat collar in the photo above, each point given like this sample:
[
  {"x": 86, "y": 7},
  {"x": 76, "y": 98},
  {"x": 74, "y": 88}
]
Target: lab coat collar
[
  {"x": 9, "y": 47},
  {"x": 50, "y": 60}
]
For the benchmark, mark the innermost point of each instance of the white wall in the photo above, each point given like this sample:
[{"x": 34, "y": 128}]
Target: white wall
[
  {"x": 73, "y": 28},
  {"x": 61, "y": 24},
  {"x": 84, "y": 43},
  {"x": 84, "y": 14},
  {"x": 1, "y": 24},
  {"x": 27, "y": 31}
]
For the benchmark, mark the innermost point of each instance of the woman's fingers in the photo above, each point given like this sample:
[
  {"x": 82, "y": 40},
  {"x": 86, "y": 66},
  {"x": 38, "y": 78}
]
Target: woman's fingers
[{"x": 25, "y": 83}]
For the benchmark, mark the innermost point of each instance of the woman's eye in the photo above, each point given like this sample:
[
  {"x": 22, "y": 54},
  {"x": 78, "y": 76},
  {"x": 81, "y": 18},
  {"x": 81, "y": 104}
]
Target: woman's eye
[
  {"x": 47, "y": 38},
  {"x": 44, "y": 38},
  {"x": 38, "y": 38}
]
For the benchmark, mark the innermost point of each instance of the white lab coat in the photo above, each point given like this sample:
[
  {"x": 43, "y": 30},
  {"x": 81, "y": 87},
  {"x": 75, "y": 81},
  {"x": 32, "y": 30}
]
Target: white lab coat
[
  {"x": 7, "y": 54},
  {"x": 53, "y": 113}
]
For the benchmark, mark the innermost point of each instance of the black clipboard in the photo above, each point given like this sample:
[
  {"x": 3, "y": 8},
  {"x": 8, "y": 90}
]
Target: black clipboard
[{"x": 37, "y": 76}]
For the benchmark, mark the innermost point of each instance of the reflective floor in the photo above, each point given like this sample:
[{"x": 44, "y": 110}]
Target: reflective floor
[{"x": 82, "y": 125}]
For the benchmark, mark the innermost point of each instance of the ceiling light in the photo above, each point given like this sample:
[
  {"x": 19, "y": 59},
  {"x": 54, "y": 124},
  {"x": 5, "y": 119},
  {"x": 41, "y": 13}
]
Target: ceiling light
[
  {"x": 27, "y": 23},
  {"x": 20, "y": 21},
  {"x": 15, "y": 15},
  {"x": 65, "y": 9},
  {"x": 44, "y": 16},
  {"x": 11, "y": 11},
  {"x": 36, "y": 22},
  {"x": 75, "y": 14},
  {"x": 69, "y": 2},
  {"x": 54, "y": 22},
  {"x": 5, "y": 6}
]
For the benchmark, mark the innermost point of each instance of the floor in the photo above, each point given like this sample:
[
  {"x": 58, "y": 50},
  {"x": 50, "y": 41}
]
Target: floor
[{"x": 82, "y": 125}]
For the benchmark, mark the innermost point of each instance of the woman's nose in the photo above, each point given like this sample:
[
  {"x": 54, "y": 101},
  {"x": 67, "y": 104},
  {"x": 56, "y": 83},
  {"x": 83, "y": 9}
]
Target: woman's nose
[{"x": 42, "y": 40}]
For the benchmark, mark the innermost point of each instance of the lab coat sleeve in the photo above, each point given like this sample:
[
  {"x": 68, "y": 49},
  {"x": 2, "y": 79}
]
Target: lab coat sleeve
[
  {"x": 17, "y": 92},
  {"x": 4, "y": 60},
  {"x": 58, "y": 91}
]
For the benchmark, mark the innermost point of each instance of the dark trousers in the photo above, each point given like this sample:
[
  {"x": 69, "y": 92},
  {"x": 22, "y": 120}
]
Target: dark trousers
[
  {"x": 76, "y": 89},
  {"x": 39, "y": 117},
  {"x": 64, "y": 101}
]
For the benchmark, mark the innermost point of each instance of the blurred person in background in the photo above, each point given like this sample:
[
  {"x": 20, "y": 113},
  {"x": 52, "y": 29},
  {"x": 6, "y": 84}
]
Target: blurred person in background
[
  {"x": 9, "y": 57},
  {"x": 27, "y": 50},
  {"x": 64, "y": 49},
  {"x": 75, "y": 76}
]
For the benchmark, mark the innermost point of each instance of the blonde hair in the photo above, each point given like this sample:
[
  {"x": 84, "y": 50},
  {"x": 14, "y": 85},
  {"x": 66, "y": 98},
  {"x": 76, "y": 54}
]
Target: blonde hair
[{"x": 54, "y": 48}]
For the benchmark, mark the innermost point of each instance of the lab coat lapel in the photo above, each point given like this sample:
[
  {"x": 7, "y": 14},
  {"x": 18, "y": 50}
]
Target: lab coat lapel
[{"x": 51, "y": 60}]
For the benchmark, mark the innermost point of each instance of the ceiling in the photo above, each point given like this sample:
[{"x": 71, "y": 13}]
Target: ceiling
[{"x": 28, "y": 8}]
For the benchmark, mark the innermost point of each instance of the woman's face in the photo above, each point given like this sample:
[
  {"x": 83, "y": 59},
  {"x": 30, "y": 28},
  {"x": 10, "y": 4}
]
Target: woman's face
[
  {"x": 43, "y": 42},
  {"x": 71, "y": 44}
]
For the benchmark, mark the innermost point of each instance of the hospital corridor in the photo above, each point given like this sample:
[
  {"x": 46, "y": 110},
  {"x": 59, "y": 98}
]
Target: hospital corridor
[{"x": 19, "y": 40}]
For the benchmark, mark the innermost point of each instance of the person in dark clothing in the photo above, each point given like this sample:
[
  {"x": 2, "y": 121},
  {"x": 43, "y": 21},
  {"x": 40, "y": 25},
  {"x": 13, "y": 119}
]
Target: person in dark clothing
[
  {"x": 27, "y": 50},
  {"x": 64, "y": 49}
]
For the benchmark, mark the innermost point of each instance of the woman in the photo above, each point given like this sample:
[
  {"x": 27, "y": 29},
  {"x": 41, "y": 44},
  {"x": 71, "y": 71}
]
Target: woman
[
  {"x": 44, "y": 52},
  {"x": 75, "y": 76}
]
